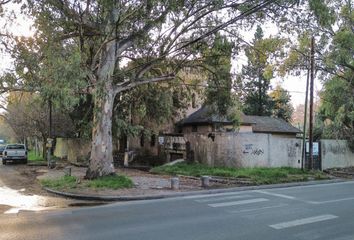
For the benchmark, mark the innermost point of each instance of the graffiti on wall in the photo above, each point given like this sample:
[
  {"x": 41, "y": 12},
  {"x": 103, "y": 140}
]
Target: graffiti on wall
[
  {"x": 249, "y": 149},
  {"x": 291, "y": 150},
  {"x": 258, "y": 151}
]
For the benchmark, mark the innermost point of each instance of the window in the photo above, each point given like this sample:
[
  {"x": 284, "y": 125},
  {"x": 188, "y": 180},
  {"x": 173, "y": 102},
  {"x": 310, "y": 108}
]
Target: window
[{"x": 15, "y": 147}]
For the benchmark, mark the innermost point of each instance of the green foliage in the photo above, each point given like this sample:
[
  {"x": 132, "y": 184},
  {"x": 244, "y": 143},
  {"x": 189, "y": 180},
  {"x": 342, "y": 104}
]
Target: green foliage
[
  {"x": 282, "y": 105},
  {"x": 148, "y": 107},
  {"x": 297, "y": 59},
  {"x": 111, "y": 182},
  {"x": 66, "y": 182},
  {"x": 32, "y": 156},
  {"x": 336, "y": 115},
  {"x": 256, "y": 175},
  {"x": 70, "y": 182},
  {"x": 323, "y": 13},
  {"x": 217, "y": 60},
  {"x": 256, "y": 75},
  {"x": 88, "y": 47}
]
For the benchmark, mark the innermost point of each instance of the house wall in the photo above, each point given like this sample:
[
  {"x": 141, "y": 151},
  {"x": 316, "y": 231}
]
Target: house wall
[
  {"x": 200, "y": 129},
  {"x": 244, "y": 129},
  {"x": 336, "y": 154},
  {"x": 208, "y": 128},
  {"x": 245, "y": 150}
]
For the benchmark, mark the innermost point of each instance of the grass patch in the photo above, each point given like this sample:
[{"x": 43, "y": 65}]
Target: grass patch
[
  {"x": 33, "y": 157},
  {"x": 66, "y": 182},
  {"x": 111, "y": 182},
  {"x": 70, "y": 182},
  {"x": 255, "y": 175}
]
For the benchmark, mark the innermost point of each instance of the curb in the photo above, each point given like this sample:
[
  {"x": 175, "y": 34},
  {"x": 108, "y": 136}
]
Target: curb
[{"x": 183, "y": 194}]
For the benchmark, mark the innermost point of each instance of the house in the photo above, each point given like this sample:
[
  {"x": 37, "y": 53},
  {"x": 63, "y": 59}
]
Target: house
[
  {"x": 204, "y": 121},
  {"x": 259, "y": 141}
]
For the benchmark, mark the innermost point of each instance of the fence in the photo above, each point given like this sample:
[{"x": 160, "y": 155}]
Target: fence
[{"x": 245, "y": 149}]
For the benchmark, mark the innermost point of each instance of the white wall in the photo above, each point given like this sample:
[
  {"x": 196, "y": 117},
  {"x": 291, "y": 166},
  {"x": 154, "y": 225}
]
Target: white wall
[
  {"x": 246, "y": 150},
  {"x": 336, "y": 154}
]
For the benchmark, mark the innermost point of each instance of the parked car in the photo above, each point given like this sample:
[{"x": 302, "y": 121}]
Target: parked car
[
  {"x": 2, "y": 147},
  {"x": 14, "y": 153}
]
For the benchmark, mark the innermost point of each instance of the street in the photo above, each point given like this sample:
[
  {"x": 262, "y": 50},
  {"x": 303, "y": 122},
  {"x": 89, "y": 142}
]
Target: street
[{"x": 323, "y": 211}]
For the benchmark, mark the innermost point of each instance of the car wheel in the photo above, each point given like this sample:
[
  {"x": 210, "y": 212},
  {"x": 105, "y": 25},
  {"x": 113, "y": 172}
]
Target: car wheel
[
  {"x": 25, "y": 161},
  {"x": 3, "y": 162}
]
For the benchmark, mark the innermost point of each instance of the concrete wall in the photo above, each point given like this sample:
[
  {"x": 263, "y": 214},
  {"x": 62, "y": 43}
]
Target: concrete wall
[
  {"x": 336, "y": 154},
  {"x": 245, "y": 150},
  {"x": 61, "y": 148},
  {"x": 78, "y": 150}
]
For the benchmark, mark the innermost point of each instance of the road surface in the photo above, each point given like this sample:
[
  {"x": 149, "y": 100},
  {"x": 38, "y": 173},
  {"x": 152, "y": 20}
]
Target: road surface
[{"x": 324, "y": 211}]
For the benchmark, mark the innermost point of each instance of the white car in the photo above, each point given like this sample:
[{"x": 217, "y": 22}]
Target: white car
[{"x": 14, "y": 153}]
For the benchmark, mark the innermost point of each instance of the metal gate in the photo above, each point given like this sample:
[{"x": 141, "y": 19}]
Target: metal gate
[{"x": 316, "y": 165}]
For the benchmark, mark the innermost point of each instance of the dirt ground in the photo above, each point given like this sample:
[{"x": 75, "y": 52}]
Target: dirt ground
[
  {"x": 26, "y": 178},
  {"x": 20, "y": 191},
  {"x": 145, "y": 183}
]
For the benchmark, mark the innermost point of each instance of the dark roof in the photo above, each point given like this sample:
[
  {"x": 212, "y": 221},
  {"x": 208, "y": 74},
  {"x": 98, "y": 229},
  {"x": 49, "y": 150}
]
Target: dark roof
[
  {"x": 204, "y": 115},
  {"x": 265, "y": 124},
  {"x": 260, "y": 124}
]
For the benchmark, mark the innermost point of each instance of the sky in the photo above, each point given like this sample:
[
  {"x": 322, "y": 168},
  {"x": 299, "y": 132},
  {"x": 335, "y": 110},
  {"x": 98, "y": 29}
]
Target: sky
[{"x": 296, "y": 85}]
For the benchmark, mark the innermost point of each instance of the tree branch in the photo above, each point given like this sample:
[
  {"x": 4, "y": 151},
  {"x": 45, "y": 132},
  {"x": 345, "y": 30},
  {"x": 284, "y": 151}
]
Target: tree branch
[{"x": 131, "y": 84}]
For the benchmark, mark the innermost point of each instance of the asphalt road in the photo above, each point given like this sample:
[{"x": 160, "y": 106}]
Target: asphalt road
[{"x": 324, "y": 211}]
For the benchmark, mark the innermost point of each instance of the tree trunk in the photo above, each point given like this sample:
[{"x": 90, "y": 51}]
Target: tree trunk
[{"x": 101, "y": 160}]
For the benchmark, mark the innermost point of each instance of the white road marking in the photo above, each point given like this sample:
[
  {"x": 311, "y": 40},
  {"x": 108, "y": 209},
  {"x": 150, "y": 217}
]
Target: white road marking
[
  {"x": 332, "y": 201},
  {"x": 303, "y": 221},
  {"x": 212, "y": 195},
  {"x": 257, "y": 209},
  {"x": 226, "y": 204},
  {"x": 320, "y": 185},
  {"x": 223, "y": 198},
  {"x": 275, "y": 194}
]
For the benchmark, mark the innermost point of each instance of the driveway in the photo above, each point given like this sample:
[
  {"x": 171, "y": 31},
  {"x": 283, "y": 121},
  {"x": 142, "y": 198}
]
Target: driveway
[{"x": 20, "y": 191}]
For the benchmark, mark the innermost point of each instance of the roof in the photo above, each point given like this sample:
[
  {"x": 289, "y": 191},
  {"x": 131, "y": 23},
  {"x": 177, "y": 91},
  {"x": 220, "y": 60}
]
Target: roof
[
  {"x": 266, "y": 124},
  {"x": 260, "y": 124},
  {"x": 204, "y": 115}
]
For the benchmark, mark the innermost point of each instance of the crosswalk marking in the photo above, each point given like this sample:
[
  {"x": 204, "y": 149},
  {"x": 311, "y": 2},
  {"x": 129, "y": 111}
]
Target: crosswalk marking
[
  {"x": 223, "y": 198},
  {"x": 303, "y": 221},
  {"x": 212, "y": 195},
  {"x": 241, "y": 202},
  {"x": 258, "y": 209},
  {"x": 275, "y": 194}
]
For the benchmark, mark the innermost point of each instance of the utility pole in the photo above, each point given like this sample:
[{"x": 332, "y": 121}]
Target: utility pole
[
  {"x": 312, "y": 70},
  {"x": 303, "y": 163},
  {"x": 50, "y": 141}
]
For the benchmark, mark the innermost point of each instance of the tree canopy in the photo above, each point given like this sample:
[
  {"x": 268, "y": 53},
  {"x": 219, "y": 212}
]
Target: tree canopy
[
  {"x": 104, "y": 48},
  {"x": 257, "y": 74}
]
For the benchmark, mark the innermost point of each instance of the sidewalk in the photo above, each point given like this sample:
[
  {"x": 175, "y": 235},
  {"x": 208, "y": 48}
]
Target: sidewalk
[
  {"x": 144, "y": 183},
  {"x": 150, "y": 186}
]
